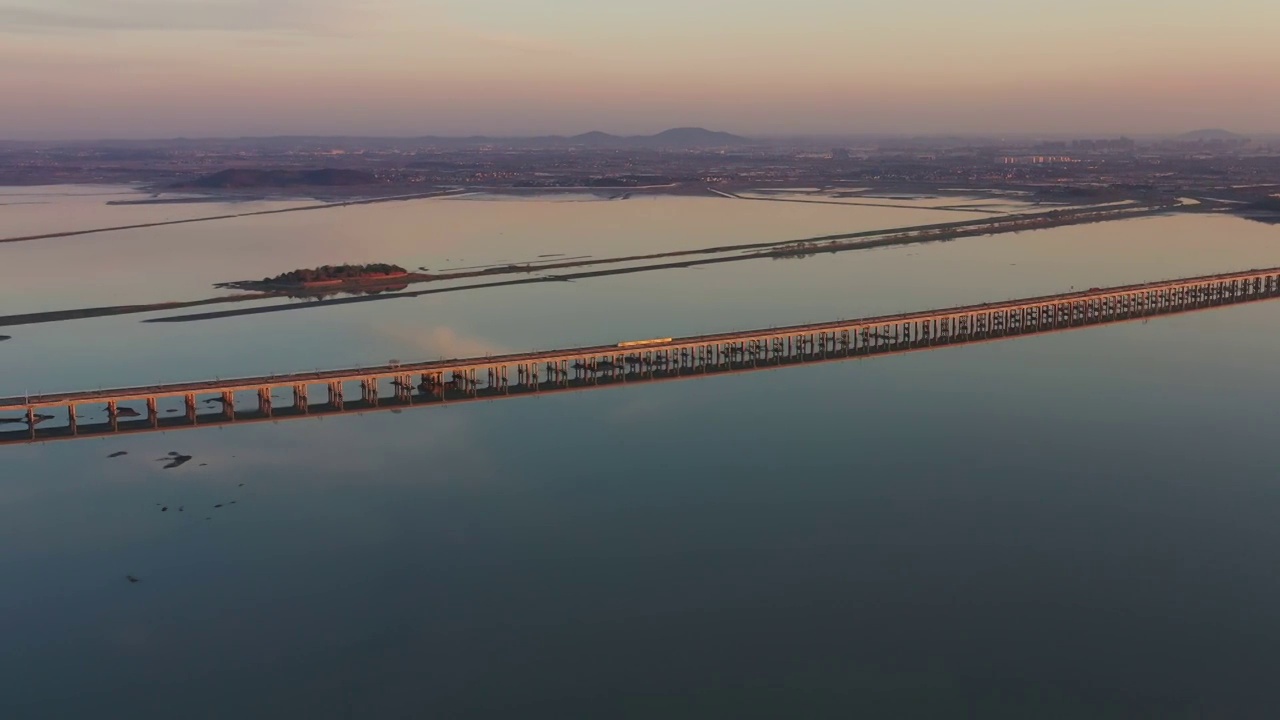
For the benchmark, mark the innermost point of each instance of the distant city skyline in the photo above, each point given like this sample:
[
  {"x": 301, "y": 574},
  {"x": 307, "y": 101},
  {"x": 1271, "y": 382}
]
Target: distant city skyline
[{"x": 86, "y": 69}]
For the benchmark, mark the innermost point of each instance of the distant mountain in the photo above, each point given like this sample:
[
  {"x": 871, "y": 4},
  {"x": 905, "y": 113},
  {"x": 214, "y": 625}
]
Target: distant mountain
[
  {"x": 690, "y": 137},
  {"x": 244, "y": 178},
  {"x": 675, "y": 138},
  {"x": 685, "y": 138},
  {"x": 596, "y": 138},
  {"x": 1210, "y": 134}
]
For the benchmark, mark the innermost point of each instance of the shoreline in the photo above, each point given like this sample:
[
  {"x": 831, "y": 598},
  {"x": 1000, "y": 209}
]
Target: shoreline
[
  {"x": 231, "y": 216},
  {"x": 785, "y": 249},
  {"x": 336, "y": 199}
]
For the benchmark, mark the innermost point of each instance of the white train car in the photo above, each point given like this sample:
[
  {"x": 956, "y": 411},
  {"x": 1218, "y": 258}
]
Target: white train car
[{"x": 642, "y": 343}]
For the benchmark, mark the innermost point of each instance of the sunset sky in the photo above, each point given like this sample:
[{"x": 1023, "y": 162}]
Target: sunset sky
[{"x": 162, "y": 68}]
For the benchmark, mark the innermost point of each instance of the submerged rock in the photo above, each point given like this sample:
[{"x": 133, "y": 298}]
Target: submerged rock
[{"x": 177, "y": 461}]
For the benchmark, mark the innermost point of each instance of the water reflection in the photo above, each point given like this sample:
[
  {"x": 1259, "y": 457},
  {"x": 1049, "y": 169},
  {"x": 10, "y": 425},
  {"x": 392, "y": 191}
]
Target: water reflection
[
  {"x": 1042, "y": 529},
  {"x": 1073, "y": 525}
]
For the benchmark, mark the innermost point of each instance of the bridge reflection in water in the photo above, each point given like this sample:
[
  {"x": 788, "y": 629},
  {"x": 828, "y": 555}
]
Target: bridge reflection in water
[{"x": 64, "y": 416}]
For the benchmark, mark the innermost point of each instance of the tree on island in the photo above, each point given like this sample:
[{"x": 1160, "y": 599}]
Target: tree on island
[{"x": 332, "y": 273}]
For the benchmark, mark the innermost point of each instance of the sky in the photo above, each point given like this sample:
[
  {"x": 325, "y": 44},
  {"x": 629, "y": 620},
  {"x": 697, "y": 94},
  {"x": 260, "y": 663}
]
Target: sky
[{"x": 201, "y": 68}]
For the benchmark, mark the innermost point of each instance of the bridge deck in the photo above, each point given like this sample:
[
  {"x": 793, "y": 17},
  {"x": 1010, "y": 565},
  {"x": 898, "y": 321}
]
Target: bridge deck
[
  {"x": 591, "y": 366},
  {"x": 252, "y": 383}
]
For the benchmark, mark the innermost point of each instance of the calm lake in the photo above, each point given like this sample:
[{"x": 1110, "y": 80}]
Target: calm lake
[{"x": 1081, "y": 524}]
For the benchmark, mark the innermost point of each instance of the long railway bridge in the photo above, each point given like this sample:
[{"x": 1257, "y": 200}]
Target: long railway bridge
[{"x": 160, "y": 408}]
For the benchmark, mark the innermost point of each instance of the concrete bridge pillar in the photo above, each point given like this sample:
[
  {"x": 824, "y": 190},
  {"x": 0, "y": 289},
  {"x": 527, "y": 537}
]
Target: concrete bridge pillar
[
  {"x": 191, "y": 408},
  {"x": 113, "y": 414},
  {"x": 71, "y": 419},
  {"x": 229, "y": 404},
  {"x": 300, "y": 398},
  {"x": 153, "y": 414},
  {"x": 264, "y": 401}
]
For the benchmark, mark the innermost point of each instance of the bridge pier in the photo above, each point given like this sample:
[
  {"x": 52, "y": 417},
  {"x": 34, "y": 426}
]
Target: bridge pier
[
  {"x": 264, "y": 402},
  {"x": 300, "y": 399},
  {"x": 192, "y": 409},
  {"x": 71, "y": 419},
  {"x": 153, "y": 413},
  {"x": 229, "y": 404},
  {"x": 113, "y": 414}
]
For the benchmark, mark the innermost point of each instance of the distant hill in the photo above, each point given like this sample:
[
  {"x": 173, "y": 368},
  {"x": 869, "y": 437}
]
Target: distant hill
[
  {"x": 675, "y": 138},
  {"x": 1211, "y": 134},
  {"x": 245, "y": 178},
  {"x": 681, "y": 138},
  {"x": 596, "y": 138},
  {"x": 690, "y": 137}
]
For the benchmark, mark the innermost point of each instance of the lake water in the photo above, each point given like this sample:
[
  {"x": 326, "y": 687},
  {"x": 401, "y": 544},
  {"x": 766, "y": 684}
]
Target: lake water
[{"x": 1073, "y": 525}]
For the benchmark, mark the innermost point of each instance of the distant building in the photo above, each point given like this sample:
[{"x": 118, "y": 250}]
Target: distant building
[
  {"x": 840, "y": 154},
  {"x": 1121, "y": 144},
  {"x": 1035, "y": 159}
]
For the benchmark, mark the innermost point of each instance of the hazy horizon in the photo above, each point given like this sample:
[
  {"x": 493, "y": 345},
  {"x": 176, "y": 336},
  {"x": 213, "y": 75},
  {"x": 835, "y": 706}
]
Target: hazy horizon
[
  {"x": 763, "y": 137},
  {"x": 154, "y": 69}
]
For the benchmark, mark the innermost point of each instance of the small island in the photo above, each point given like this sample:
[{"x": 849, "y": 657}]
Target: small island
[
  {"x": 328, "y": 276},
  {"x": 1265, "y": 210},
  {"x": 1267, "y": 204}
]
